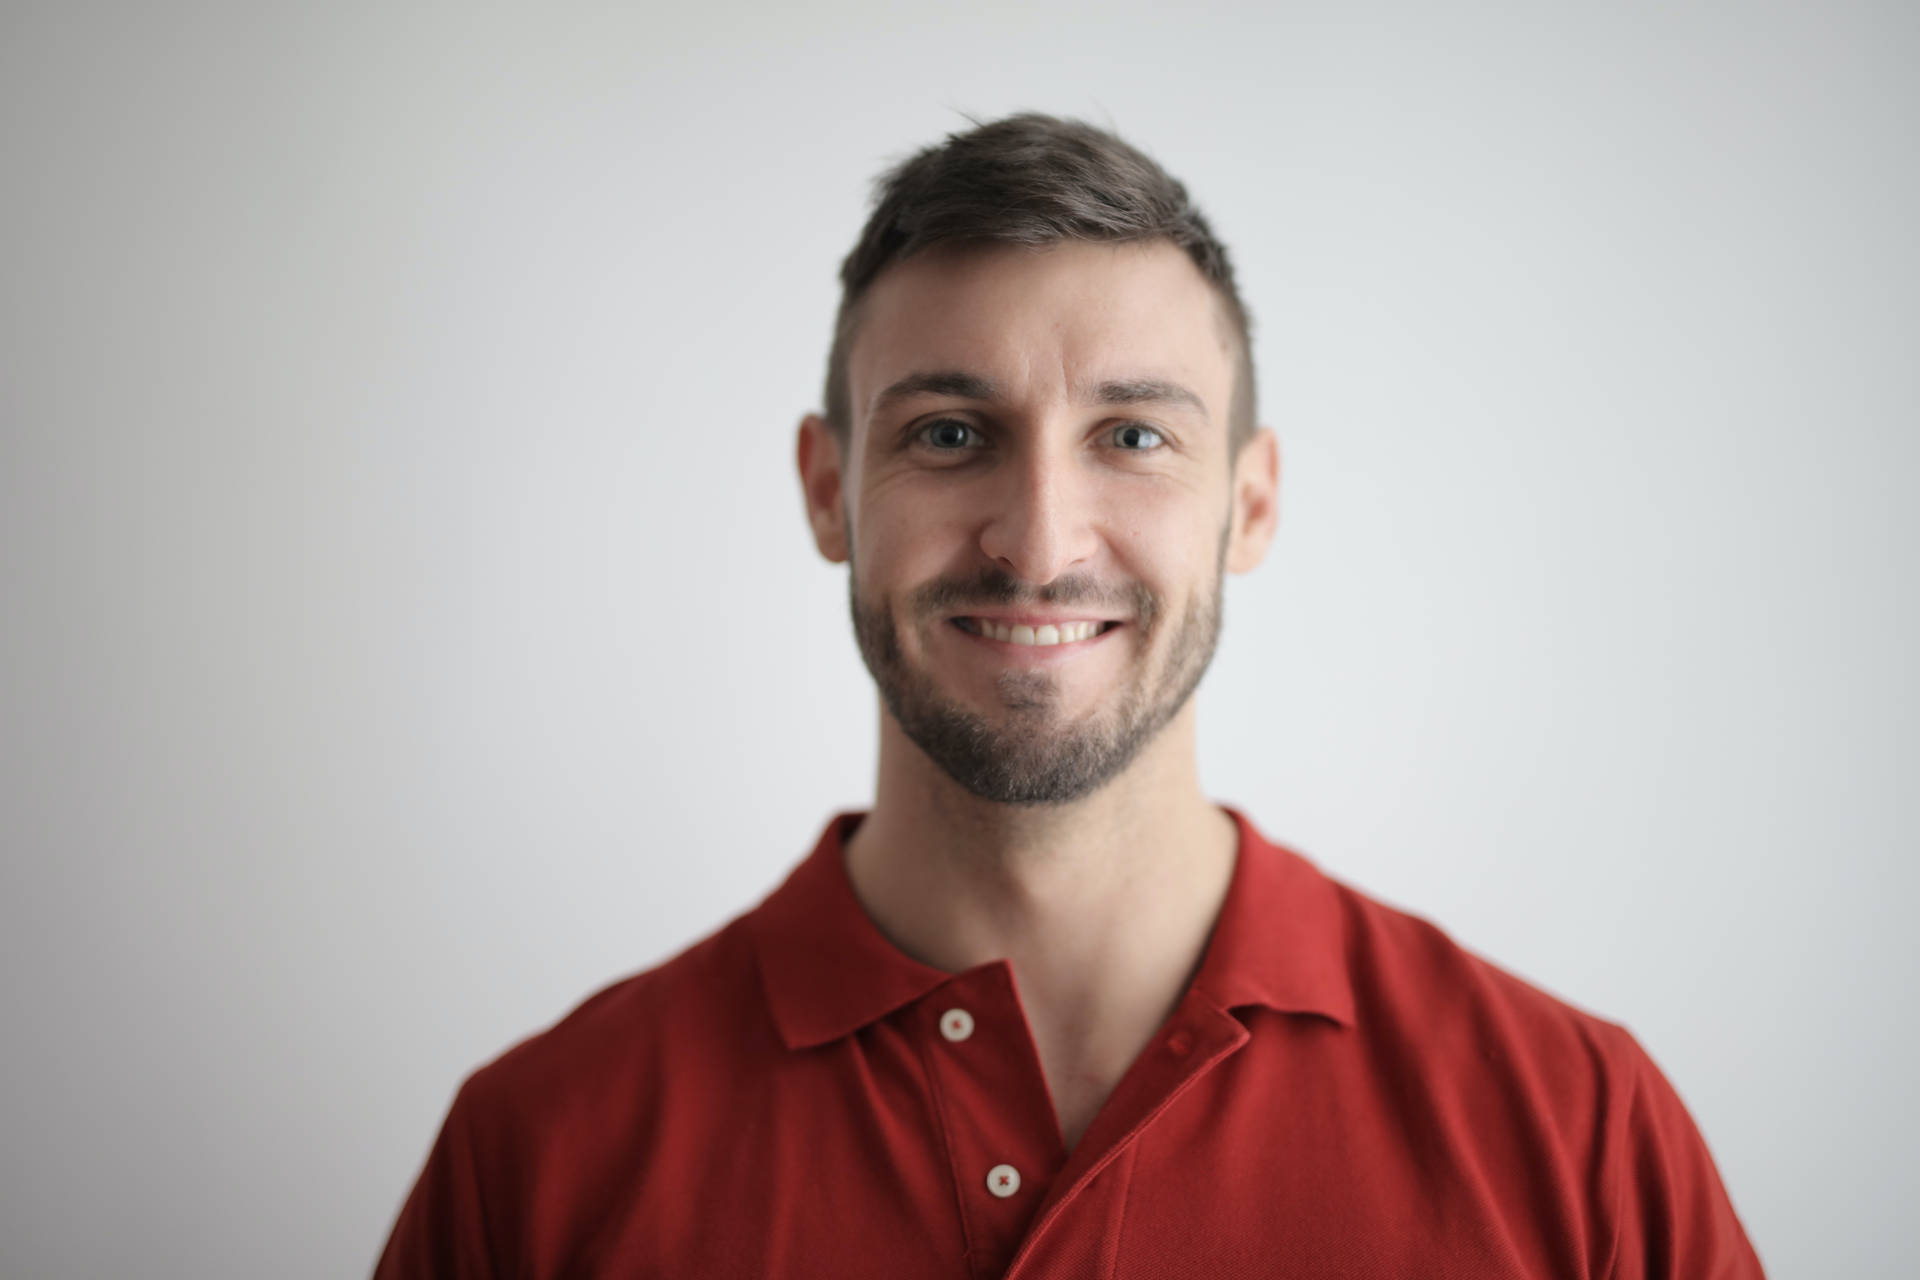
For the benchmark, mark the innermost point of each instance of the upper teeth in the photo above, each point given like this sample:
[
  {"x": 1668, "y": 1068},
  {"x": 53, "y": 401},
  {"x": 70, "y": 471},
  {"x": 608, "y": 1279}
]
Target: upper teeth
[{"x": 1063, "y": 633}]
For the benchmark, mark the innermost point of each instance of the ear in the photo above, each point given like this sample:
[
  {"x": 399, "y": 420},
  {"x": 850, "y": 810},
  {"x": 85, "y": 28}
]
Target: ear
[
  {"x": 1256, "y": 501},
  {"x": 817, "y": 452}
]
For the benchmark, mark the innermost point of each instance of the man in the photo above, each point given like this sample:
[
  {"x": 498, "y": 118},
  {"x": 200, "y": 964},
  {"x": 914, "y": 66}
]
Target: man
[{"x": 1045, "y": 1010}]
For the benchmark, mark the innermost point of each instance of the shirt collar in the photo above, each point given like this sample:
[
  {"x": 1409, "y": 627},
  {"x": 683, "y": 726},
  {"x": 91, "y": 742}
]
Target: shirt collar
[{"x": 828, "y": 970}]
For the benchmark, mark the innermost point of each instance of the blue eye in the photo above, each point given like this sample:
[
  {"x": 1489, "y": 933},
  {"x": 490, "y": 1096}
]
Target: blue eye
[
  {"x": 946, "y": 435},
  {"x": 1130, "y": 435}
]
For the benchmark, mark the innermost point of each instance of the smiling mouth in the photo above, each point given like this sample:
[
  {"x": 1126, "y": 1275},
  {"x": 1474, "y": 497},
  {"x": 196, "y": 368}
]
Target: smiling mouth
[{"x": 1039, "y": 637}]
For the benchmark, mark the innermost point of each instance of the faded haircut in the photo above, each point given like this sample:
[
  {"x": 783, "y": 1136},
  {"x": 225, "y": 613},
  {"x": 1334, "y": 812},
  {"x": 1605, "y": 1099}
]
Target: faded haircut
[{"x": 1031, "y": 179}]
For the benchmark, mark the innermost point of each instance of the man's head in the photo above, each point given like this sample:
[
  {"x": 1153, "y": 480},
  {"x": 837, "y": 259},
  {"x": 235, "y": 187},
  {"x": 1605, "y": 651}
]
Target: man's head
[
  {"x": 1039, "y": 434},
  {"x": 1037, "y": 180}
]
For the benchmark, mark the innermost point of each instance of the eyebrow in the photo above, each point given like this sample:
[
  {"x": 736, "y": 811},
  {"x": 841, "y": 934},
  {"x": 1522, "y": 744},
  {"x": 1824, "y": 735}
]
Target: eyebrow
[
  {"x": 961, "y": 385},
  {"x": 941, "y": 382},
  {"x": 1148, "y": 391}
]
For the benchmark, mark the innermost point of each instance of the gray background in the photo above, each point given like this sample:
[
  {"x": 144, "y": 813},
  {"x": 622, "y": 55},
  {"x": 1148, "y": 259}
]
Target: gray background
[{"x": 410, "y": 625}]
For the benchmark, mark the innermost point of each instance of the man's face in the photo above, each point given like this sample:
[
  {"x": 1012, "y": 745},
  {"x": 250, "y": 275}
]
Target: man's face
[{"x": 1039, "y": 454}]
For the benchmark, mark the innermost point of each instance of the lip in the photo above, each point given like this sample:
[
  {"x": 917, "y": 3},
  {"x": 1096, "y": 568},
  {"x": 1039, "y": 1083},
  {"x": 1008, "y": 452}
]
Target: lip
[
  {"x": 1033, "y": 619},
  {"x": 1033, "y": 655}
]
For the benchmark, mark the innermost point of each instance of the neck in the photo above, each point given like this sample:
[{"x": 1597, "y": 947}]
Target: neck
[{"x": 1004, "y": 871}]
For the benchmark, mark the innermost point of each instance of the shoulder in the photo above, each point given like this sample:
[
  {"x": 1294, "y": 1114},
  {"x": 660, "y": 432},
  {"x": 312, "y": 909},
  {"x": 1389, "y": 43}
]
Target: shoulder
[
  {"x": 1467, "y": 1068},
  {"x": 1480, "y": 1065},
  {"x": 1533, "y": 1081},
  {"x": 534, "y": 1136},
  {"x": 629, "y": 1040},
  {"x": 1415, "y": 982}
]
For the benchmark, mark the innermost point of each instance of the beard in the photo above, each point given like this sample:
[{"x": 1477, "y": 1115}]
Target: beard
[{"x": 1030, "y": 755}]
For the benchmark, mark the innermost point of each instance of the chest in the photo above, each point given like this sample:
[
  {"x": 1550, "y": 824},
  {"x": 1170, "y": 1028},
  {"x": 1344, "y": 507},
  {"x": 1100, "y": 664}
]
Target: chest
[
  {"x": 1259, "y": 1208},
  {"x": 1077, "y": 1098},
  {"x": 894, "y": 1154}
]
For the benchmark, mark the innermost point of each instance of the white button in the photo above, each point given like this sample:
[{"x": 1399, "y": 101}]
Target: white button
[
  {"x": 957, "y": 1025},
  {"x": 1003, "y": 1180}
]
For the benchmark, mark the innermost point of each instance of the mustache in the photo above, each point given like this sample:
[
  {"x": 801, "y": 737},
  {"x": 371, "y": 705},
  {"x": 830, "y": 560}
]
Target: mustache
[{"x": 995, "y": 586}]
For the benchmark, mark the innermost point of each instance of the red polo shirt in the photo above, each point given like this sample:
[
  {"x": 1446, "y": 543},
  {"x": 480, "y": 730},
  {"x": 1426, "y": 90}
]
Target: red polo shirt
[{"x": 1343, "y": 1091}]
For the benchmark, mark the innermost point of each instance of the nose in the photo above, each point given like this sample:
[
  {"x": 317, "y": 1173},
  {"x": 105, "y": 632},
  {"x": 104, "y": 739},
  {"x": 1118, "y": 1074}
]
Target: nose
[{"x": 1040, "y": 515}]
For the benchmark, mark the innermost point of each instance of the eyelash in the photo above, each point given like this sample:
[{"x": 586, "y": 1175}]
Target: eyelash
[{"x": 921, "y": 434}]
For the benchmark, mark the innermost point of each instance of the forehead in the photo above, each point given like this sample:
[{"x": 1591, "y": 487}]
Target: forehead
[{"x": 1045, "y": 322}]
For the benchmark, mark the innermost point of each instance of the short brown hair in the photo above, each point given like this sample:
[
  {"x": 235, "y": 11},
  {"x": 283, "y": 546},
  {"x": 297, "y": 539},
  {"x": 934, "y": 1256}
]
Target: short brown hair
[{"x": 1031, "y": 179}]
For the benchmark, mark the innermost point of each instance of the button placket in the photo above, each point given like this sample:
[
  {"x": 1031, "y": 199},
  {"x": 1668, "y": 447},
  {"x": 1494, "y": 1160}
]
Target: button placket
[{"x": 1002, "y": 1135}]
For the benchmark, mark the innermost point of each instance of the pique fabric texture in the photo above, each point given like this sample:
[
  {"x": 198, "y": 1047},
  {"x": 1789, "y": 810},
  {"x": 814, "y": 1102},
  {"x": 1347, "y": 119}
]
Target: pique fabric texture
[{"x": 1342, "y": 1091}]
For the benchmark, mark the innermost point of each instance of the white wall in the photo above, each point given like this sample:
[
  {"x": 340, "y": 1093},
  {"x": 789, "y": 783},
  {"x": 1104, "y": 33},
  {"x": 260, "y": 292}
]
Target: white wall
[{"x": 409, "y": 625}]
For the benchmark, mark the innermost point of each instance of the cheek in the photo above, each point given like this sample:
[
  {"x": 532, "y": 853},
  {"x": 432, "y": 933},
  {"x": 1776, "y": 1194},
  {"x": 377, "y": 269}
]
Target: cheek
[
  {"x": 907, "y": 538},
  {"x": 1170, "y": 542}
]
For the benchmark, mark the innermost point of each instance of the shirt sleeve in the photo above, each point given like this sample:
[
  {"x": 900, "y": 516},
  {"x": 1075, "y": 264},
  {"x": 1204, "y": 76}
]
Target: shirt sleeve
[
  {"x": 1675, "y": 1221},
  {"x": 441, "y": 1232}
]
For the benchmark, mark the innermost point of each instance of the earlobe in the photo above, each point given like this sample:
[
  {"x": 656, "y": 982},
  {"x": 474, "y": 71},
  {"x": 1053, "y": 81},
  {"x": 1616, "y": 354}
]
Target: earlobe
[
  {"x": 817, "y": 455},
  {"x": 1256, "y": 501}
]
